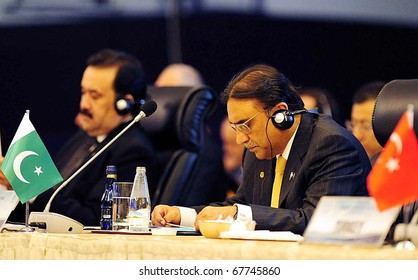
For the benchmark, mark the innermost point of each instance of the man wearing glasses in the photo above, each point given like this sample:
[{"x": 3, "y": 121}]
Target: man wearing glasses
[
  {"x": 361, "y": 117},
  {"x": 318, "y": 157}
]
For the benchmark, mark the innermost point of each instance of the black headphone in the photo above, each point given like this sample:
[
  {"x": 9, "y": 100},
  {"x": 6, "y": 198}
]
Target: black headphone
[
  {"x": 125, "y": 106},
  {"x": 283, "y": 119}
]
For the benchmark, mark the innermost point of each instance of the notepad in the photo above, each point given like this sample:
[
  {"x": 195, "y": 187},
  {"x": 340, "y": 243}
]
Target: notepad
[{"x": 8, "y": 202}]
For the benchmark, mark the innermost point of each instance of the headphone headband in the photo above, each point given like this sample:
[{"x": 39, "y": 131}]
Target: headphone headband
[{"x": 297, "y": 112}]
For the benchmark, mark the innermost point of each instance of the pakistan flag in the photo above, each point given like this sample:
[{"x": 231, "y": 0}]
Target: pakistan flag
[{"x": 27, "y": 164}]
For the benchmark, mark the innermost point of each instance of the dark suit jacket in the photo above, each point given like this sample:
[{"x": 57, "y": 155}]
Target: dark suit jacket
[
  {"x": 325, "y": 159},
  {"x": 80, "y": 199}
]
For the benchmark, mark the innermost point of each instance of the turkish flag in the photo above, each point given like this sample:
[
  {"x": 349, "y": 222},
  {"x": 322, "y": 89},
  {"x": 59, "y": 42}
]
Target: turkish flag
[{"x": 393, "y": 181}]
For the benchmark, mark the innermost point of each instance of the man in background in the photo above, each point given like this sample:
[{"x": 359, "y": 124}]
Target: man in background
[
  {"x": 315, "y": 97},
  {"x": 179, "y": 74},
  {"x": 361, "y": 117},
  {"x": 110, "y": 75}
]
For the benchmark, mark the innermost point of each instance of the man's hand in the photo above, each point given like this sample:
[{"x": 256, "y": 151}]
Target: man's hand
[
  {"x": 215, "y": 213},
  {"x": 163, "y": 214}
]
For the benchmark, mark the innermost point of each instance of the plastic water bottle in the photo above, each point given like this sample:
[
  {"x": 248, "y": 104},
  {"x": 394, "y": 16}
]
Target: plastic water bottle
[
  {"x": 140, "y": 204},
  {"x": 107, "y": 199}
]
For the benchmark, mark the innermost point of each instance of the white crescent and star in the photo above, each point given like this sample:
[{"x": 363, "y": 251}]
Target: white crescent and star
[
  {"x": 18, "y": 162},
  {"x": 397, "y": 141},
  {"x": 393, "y": 163}
]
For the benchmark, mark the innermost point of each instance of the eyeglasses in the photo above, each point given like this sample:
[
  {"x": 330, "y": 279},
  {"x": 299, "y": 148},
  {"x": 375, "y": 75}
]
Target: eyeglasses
[
  {"x": 362, "y": 125},
  {"x": 243, "y": 127}
]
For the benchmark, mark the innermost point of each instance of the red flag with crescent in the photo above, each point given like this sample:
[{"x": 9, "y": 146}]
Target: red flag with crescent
[{"x": 393, "y": 180}]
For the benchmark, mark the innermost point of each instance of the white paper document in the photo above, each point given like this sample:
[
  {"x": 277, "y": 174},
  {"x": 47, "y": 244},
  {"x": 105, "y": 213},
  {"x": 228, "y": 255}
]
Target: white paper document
[
  {"x": 8, "y": 202},
  {"x": 262, "y": 235},
  {"x": 349, "y": 220}
]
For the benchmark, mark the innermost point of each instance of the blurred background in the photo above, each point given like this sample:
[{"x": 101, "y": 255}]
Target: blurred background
[{"x": 333, "y": 44}]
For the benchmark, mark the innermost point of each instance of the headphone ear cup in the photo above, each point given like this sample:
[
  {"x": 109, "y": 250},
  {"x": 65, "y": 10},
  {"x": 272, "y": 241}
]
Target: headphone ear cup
[
  {"x": 123, "y": 106},
  {"x": 282, "y": 120}
]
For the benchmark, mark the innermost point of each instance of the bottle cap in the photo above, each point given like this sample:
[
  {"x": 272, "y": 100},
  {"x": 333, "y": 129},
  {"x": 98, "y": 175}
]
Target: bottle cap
[
  {"x": 140, "y": 168},
  {"x": 110, "y": 169}
]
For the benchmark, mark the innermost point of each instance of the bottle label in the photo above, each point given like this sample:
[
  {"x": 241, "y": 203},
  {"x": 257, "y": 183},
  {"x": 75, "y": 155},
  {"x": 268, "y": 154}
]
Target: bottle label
[
  {"x": 106, "y": 219},
  {"x": 106, "y": 213},
  {"x": 139, "y": 220}
]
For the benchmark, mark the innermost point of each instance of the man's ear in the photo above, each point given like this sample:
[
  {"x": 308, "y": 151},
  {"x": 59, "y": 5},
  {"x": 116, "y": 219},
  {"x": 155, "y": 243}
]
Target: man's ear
[
  {"x": 129, "y": 96},
  {"x": 279, "y": 106}
]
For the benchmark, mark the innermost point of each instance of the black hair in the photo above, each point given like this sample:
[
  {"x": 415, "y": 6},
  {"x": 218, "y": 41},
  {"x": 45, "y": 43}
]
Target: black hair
[
  {"x": 264, "y": 83},
  {"x": 368, "y": 92},
  {"x": 130, "y": 77}
]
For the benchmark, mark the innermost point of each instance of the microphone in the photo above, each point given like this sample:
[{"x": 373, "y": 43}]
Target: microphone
[
  {"x": 147, "y": 110},
  {"x": 57, "y": 223}
]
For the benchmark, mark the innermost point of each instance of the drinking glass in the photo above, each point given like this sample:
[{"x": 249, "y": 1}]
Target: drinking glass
[{"x": 120, "y": 206}]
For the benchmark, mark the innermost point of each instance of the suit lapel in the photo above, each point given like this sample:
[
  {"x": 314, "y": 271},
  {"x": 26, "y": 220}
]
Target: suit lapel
[{"x": 297, "y": 152}]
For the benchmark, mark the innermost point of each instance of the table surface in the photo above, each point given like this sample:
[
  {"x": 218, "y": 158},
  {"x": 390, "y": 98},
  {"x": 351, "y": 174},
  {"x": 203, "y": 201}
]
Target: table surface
[{"x": 89, "y": 246}]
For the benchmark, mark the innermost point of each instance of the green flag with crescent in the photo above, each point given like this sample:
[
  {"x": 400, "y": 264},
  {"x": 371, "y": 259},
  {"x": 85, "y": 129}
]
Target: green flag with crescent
[{"x": 27, "y": 164}]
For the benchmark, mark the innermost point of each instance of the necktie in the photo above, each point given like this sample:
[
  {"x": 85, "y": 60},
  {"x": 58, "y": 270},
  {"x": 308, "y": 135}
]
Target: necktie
[
  {"x": 77, "y": 158},
  {"x": 275, "y": 196}
]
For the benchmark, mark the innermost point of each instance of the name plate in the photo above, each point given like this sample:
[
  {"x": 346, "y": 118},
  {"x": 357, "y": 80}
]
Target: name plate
[
  {"x": 349, "y": 220},
  {"x": 8, "y": 202}
]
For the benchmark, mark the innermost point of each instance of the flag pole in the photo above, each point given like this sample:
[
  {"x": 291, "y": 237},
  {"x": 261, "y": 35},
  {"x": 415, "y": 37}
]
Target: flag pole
[
  {"x": 27, "y": 228},
  {"x": 406, "y": 243}
]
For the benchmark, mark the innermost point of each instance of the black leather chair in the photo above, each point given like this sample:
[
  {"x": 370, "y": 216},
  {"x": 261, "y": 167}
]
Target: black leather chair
[
  {"x": 390, "y": 104},
  {"x": 188, "y": 148}
]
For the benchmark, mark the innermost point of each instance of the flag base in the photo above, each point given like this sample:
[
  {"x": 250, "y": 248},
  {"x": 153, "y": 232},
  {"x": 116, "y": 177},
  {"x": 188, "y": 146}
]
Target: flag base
[
  {"x": 405, "y": 245},
  {"x": 26, "y": 229},
  {"x": 54, "y": 223}
]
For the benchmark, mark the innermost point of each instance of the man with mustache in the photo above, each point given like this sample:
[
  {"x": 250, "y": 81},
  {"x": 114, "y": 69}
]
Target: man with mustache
[
  {"x": 318, "y": 157},
  {"x": 109, "y": 75}
]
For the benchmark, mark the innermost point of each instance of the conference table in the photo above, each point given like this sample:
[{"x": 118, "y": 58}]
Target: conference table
[{"x": 97, "y": 246}]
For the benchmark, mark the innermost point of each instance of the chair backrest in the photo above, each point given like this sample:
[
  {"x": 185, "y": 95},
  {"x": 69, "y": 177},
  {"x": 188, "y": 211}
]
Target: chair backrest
[
  {"x": 390, "y": 104},
  {"x": 189, "y": 151}
]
